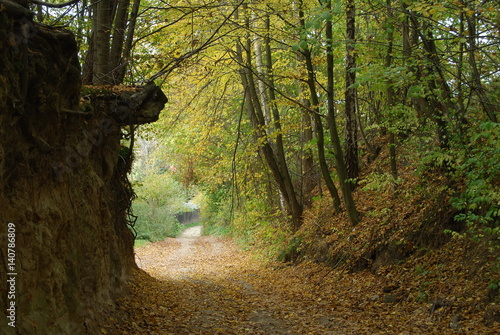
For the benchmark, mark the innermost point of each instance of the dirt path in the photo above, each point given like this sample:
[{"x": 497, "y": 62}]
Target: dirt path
[
  {"x": 215, "y": 297},
  {"x": 205, "y": 285},
  {"x": 176, "y": 263}
]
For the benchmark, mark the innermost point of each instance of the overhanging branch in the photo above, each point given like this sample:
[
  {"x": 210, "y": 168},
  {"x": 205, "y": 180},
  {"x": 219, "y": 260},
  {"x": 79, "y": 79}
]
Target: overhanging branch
[{"x": 54, "y": 5}]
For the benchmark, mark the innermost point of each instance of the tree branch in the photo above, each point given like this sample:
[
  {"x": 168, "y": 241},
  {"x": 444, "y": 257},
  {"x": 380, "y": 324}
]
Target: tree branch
[
  {"x": 177, "y": 61},
  {"x": 54, "y": 5}
]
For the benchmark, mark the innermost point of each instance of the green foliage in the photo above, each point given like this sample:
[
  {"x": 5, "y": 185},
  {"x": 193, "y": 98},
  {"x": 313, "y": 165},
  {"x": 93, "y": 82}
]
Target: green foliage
[
  {"x": 257, "y": 224},
  {"x": 154, "y": 223},
  {"x": 140, "y": 243},
  {"x": 162, "y": 190},
  {"x": 479, "y": 201},
  {"x": 251, "y": 220},
  {"x": 159, "y": 198},
  {"x": 291, "y": 251},
  {"x": 379, "y": 182},
  {"x": 494, "y": 285},
  {"x": 216, "y": 211}
]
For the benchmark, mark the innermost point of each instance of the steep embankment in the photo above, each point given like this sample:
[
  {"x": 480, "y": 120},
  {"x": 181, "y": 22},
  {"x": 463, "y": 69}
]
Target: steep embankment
[{"x": 62, "y": 192}]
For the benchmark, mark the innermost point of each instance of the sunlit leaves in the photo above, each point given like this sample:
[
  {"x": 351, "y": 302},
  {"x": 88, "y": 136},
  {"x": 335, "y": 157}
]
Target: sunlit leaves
[{"x": 161, "y": 189}]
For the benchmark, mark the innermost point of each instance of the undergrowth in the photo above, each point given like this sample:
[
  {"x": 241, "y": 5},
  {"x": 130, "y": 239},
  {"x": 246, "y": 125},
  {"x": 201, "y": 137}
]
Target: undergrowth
[{"x": 154, "y": 223}]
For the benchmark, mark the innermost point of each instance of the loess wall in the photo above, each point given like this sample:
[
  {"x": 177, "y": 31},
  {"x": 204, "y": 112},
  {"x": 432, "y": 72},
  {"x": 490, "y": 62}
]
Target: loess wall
[{"x": 62, "y": 186}]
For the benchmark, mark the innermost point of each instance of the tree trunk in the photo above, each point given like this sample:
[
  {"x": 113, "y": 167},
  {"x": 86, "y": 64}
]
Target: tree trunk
[
  {"x": 88, "y": 65},
  {"x": 127, "y": 48},
  {"x": 332, "y": 125},
  {"x": 118, "y": 37},
  {"x": 320, "y": 136},
  {"x": 102, "y": 33},
  {"x": 111, "y": 41},
  {"x": 490, "y": 109},
  {"x": 351, "y": 128},
  {"x": 307, "y": 159},
  {"x": 391, "y": 100},
  {"x": 280, "y": 149},
  {"x": 262, "y": 75},
  {"x": 318, "y": 124},
  {"x": 436, "y": 107},
  {"x": 276, "y": 162}
]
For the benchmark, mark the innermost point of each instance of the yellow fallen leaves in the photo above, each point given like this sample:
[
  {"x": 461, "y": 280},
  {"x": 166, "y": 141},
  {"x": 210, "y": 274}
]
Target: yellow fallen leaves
[{"x": 207, "y": 286}]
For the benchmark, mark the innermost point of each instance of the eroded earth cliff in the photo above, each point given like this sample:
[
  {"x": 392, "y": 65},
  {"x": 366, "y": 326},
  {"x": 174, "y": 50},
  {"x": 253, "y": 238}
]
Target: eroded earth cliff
[{"x": 63, "y": 189}]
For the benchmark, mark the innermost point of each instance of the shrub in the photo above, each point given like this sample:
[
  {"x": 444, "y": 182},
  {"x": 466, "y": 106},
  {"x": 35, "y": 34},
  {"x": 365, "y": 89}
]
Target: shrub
[{"x": 154, "y": 223}]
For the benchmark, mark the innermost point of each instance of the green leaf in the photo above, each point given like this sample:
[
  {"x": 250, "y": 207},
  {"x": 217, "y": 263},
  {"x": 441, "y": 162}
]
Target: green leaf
[
  {"x": 303, "y": 45},
  {"x": 326, "y": 16},
  {"x": 337, "y": 8}
]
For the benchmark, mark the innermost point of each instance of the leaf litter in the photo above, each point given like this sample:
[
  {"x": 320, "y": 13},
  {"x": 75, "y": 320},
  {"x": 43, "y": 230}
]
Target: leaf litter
[{"x": 208, "y": 285}]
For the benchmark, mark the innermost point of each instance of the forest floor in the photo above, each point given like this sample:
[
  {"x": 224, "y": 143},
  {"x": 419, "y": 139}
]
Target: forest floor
[{"x": 207, "y": 285}]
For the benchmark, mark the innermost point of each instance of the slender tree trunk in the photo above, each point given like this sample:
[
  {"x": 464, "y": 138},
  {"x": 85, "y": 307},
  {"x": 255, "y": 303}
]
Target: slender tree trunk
[
  {"x": 460, "y": 66},
  {"x": 88, "y": 66},
  {"x": 332, "y": 125},
  {"x": 391, "y": 99},
  {"x": 261, "y": 75},
  {"x": 280, "y": 148},
  {"x": 318, "y": 123},
  {"x": 320, "y": 136},
  {"x": 118, "y": 37},
  {"x": 127, "y": 47},
  {"x": 39, "y": 13},
  {"x": 351, "y": 129},
  {"x": 437, "y": 106},
  {"x": 102, "y": 33},
  {"x": 276, "y": 162},
  {"x": 307, "y": 159}
]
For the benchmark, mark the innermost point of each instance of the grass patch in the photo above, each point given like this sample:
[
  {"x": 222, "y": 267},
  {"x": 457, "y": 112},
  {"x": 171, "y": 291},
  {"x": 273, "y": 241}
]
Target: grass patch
[
  {"x": 187, "y": 226},
  {"x": 140, "y": 243}
]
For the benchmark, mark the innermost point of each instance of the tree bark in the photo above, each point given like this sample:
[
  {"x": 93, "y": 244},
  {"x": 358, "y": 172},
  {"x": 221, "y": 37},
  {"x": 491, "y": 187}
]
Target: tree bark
[
  {"x": 262, "y": 74},
  {"x": 127, "y": 48},
  {"x": 435, "y": 106},
  {"x": 320, "y": 136},
  {"x": 309, "y": 180},
  {"x": 102, "y": 33},
  {"x": 490, "y": 109},
  {"x": 351, "y": 128},
  {"x": 391, "y": 100},
  {"x": 118, "y": 38}
]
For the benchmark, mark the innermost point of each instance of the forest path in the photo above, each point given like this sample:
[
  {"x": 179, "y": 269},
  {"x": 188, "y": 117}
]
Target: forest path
[{"x": 207, "y": 285}]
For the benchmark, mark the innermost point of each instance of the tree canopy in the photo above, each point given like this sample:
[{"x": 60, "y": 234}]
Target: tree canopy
[{"x": 274, "y": 105}]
